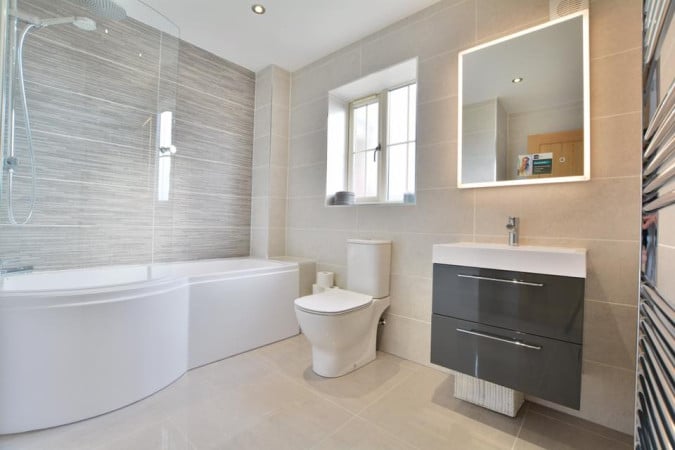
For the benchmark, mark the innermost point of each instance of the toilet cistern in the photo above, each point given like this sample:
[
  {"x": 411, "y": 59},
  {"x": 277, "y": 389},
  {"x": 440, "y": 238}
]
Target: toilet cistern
[{"x": 512, "y": 226}]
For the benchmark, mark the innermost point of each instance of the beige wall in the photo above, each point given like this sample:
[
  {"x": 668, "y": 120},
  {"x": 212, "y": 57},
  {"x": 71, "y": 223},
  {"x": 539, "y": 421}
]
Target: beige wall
[{"x": 601, "y": 215}]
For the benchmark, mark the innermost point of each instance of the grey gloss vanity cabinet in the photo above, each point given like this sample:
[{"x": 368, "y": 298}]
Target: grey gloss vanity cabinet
[{"x": 512, "y": 316}]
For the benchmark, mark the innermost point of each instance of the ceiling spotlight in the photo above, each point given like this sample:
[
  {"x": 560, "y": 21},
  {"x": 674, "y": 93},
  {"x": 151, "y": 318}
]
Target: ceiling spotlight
[
  {"x": 258, "y": 9},
  {"x": 518, "y": 80}
]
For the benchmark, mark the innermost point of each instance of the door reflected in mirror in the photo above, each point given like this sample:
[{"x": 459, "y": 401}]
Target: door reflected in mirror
[{"x": 524, "y": 107}]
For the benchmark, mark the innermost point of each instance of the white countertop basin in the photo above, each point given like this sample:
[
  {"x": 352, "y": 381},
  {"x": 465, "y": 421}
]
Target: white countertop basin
[{"x": 568, "y": 262}]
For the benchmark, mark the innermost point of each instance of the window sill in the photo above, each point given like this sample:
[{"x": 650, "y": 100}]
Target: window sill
[{"x": 372, "y": 204}]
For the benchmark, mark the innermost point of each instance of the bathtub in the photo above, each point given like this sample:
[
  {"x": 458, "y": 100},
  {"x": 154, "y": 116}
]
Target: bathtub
[{"x": 78, "y": 343}]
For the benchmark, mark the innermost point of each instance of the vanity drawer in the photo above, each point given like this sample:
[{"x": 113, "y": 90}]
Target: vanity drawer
[
  {"x": 547, "y": 368},
  {"x": 545, "y": 305}
]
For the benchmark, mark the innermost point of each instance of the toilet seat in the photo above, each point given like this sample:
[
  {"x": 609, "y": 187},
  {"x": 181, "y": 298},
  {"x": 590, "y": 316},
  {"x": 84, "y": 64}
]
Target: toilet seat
[{"x": 333, "y": 302}]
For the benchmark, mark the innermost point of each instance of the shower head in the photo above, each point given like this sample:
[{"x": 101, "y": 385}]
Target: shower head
[
  {"x": 83, "y": 23},
  {"x": 104, "y": 9}
]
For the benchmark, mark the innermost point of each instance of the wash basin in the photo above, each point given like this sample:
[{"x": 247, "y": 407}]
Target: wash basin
[{"x": 568, "y": 262}]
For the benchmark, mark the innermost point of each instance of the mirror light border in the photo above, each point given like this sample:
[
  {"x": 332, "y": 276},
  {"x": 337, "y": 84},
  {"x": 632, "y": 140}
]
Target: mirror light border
[{"x": 586, "y": 97}]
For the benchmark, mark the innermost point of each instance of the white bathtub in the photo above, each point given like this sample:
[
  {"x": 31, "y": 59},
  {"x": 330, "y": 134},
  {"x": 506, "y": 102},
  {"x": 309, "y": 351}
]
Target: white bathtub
[{"x": 78, "y": 343}]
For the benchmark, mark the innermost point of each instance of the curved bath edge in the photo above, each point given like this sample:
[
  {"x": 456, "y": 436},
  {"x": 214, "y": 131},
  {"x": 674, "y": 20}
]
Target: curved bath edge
[{"x": 60, "y": 365}]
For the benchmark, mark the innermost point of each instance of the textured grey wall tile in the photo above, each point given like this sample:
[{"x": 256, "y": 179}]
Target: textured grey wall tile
[
  {"x": 203, "y": 109},
  {"x": 71, "y": 114},
  {"x": 72, "y": 203},
  {"x": 190, "y": 210},
  {"x": 94, "y": 99},
  {"x": 66, "y": 247},
  {"x": 74, "y": 159},
  {"x": 176, "y": 244},
  {"x": 127, "y": 42},
  {"x": 82, "y": 73},
  {"x": 211, "y": 144},
  {"x": 197, "y": 176},
  {"x": 205, "y": 72}
]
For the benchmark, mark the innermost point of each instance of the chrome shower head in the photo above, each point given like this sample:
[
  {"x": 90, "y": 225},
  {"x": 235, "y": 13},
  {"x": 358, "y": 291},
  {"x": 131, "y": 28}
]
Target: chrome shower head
[{"x": 105, "y": 9}]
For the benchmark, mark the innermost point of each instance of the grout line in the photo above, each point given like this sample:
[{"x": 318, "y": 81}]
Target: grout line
[
  {"x": 520, "y": 428},
  {"x": 609, "y": 55},
  {"x": 333, "y": 433},
  {"x": 609, "y": 366},
  {"x": 578, "y": 426}
]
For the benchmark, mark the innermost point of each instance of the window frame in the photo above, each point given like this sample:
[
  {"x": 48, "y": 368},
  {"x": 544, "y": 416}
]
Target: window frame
[{"x": 381, "y": 98}]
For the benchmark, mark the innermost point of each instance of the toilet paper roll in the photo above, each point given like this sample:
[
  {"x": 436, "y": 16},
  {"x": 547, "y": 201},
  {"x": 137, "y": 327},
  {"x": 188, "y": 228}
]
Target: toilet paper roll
[{"x": 325, "y": 279}]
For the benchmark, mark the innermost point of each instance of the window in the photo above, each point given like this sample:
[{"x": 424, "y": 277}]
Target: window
[{"x": 382, "y": 145}]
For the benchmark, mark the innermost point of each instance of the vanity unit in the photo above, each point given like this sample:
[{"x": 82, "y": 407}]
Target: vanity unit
[{"x": 512, "y": 316}]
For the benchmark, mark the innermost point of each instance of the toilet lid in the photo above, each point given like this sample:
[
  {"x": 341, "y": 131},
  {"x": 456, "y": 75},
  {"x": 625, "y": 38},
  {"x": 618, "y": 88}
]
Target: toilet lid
[{"x": 333, "y": 301}]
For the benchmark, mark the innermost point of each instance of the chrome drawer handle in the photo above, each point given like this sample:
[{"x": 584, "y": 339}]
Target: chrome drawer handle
[
  {"x": 500, "y": 339},
  {"x": 501, "y": 280}
]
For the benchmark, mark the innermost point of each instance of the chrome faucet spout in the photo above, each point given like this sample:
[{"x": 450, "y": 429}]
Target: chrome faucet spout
[
  {"x": 512, "y": 226},
  {"x": 13, "y": 270}
]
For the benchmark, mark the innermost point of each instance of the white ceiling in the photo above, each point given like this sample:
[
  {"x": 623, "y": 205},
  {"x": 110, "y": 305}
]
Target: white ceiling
[{"x": 291, "y": 34}]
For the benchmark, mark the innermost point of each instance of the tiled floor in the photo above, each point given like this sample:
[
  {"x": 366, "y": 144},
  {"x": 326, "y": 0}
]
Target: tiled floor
[{"x": 270, "y": 399}]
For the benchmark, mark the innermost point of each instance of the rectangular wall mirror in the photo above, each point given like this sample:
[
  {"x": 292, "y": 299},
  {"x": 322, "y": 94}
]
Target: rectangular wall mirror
[{"x": 524, "y": 107}]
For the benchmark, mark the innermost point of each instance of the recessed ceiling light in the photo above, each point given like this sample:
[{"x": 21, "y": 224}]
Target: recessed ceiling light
[
  {"x": 518, "y": 80},
  {"x": 258, "y": 9}
]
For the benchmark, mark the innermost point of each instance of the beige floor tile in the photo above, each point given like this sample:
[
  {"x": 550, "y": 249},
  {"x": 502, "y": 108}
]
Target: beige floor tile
[
  {"x": 359, "y": 434},
  {"x": 270, "y": 398},
  {"x": 580, "y": 423},
  {"x": 297, "y": 426},
  {"x": 423, "y": 412},
  {"x": 357, "y": 390},
  {"x": 542, "y": 432},
  {"x": 161, "y": 436}
]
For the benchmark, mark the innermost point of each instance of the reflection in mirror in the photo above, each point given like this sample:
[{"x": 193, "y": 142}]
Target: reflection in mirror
[
  {"x": 523, "y": 112},
  {"x": 371, "y": 138}
]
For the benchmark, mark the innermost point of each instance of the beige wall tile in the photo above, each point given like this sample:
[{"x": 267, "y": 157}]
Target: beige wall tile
[
  {"x": 310, "y": 212},
  {"x": 259, "y": 181},
  {"x": 411, "y": 297},
  {"x": 259, "y": 242},
  {"x": 615, "y": 84},
  {"x": 276, "y": 242},
  {"x": 307, "y": 181},
  {"x": 603, "y": 209},
  {"x": 324, "y": 246},
  {"x": 261, "y": 151},
  {"x": 407, "y": 338},
  {"x": 499, "y": 17},
  {"x": 262, "y": 118},
  {"x": 259, "y": 212},
  {"x": 277, "y": 212},
  {"x": 314, "y": 82},
  {"x": 279, "y": 150},
  {"x": 437, "y": 166},
  {"x": 614, "y": 144},
  {"x": 308, "y": 148},
  {"x": 615, "y": 26},
  {"x": 610, "y": 334},
  {"x": 263, "y": 87},
  {"x": 437, "y": 121},
  {"x": 309, "y": 117},
  {"x": 607, "y": 397},
  {"x": 437, "y": 77},
  {"x": 281, "y": 87},
  {"x": 280, "y": 120},
  {"x": 278, "y": 181}
]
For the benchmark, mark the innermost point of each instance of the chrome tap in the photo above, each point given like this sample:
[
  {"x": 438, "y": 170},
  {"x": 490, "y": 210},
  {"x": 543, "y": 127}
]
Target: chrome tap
[
  {"x": 4, "y": 270},
  {"x": 512, "y": 226}
]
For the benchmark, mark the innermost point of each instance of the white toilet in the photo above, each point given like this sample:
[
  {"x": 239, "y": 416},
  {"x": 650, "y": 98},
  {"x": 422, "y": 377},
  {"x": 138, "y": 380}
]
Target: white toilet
[{"x": 342, "y": 324}]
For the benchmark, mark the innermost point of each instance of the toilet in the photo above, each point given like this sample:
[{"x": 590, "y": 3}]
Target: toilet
[{"x": 341, "y": 324}]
